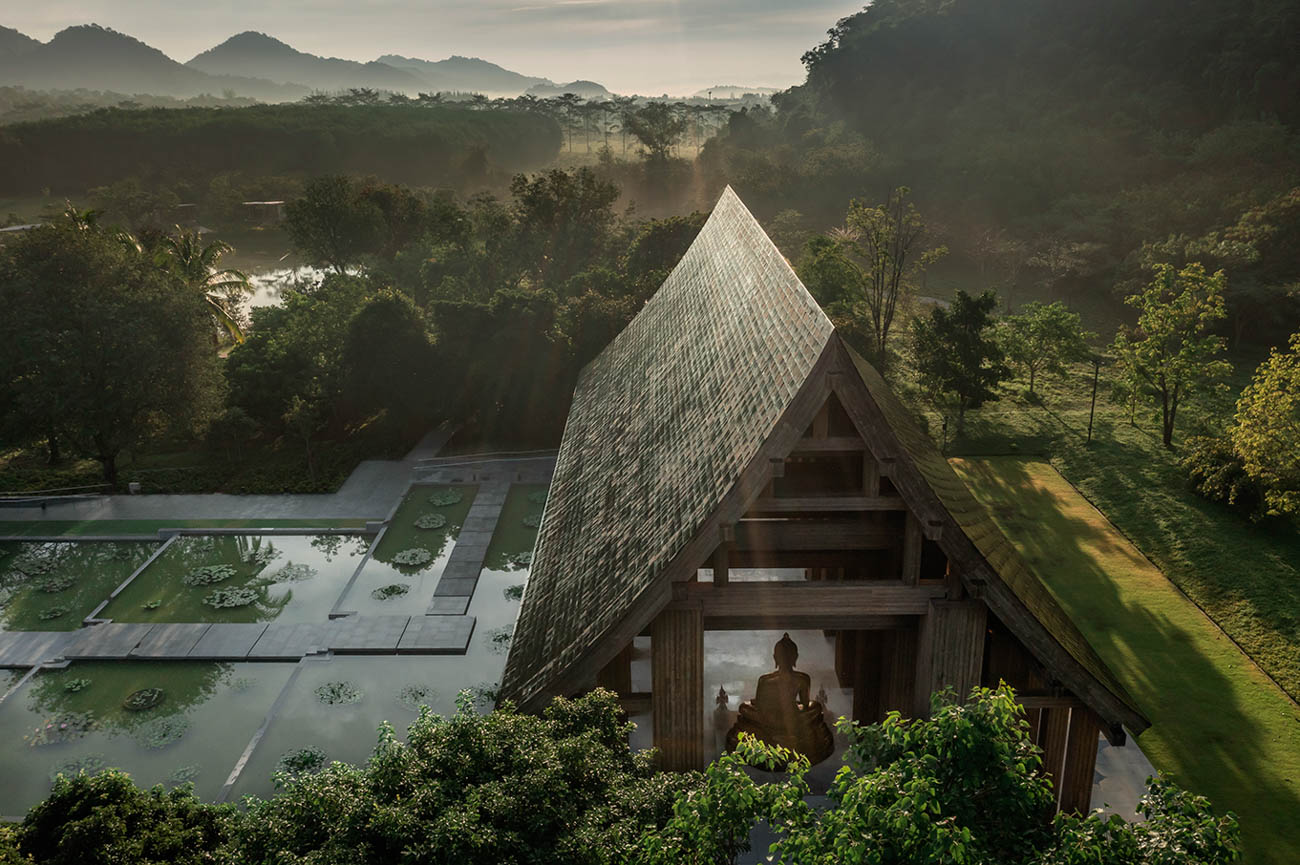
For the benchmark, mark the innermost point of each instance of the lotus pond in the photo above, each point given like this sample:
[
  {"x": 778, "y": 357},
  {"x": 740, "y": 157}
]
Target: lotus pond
[
  {"x": 241, "y": 578},
  {"x": 164, "y": 722},
  {"x": 52, "y": 586},
  {"x": 402, "y": 573}
]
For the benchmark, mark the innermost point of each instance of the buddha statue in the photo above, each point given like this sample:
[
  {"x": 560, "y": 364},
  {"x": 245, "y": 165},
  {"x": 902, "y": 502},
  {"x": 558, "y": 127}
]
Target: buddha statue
[{"x": 781, "y": 713}]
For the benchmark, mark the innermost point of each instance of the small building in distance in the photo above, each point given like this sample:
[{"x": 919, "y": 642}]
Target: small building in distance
[
  {"x": 265, "y": 213},
  {"x": 730, "y": 466}
]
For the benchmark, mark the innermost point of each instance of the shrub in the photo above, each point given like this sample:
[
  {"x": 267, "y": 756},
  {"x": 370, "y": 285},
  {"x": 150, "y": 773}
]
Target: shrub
[
  {"x": 1217, "y": 472},
  {"x": 105, "y": 818}
]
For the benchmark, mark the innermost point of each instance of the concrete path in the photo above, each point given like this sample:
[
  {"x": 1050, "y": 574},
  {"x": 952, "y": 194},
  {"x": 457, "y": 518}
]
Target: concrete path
[
  {"x": 368, "y": 493},
  {"x": 227, "y": 641}
]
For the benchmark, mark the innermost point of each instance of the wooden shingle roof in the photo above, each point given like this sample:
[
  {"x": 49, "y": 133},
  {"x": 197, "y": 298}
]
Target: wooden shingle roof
[{"x": 661, "y": 425}]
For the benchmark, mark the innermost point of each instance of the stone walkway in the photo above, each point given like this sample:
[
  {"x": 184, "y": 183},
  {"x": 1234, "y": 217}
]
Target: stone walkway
[
  {"x": 368, "y": 493},
  {"x": 277, "y": 641}
]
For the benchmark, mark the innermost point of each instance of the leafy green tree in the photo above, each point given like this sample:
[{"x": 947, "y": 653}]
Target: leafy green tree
[
  {"x": 199, "y": 265},
  {"x": 502, "y": 788},
  {"x": 658, "y": 127},
  {"x": 562, "y": 220},
  {"x": 333, "y": 225},
  {"x": 101, "y": 346},
  {"x": 1266, "y": 430},
  {"x": 887, "y": 243},
  {"x": 1173, "y": 352},
  {"x": 105, "y": 819},
  {"x": 962, "y": 786},
  {"x": 1043, "y": 338},
  {"x": 957, "y": 353},
  {"x": 389, "y": 360}
]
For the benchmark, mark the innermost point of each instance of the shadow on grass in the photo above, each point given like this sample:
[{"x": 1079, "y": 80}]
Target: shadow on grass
[{"x": 1211, "y": 730}]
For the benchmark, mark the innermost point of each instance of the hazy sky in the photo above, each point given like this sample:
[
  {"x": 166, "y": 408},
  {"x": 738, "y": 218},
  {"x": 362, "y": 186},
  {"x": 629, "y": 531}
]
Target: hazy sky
[{"x": 645, "y": 46}]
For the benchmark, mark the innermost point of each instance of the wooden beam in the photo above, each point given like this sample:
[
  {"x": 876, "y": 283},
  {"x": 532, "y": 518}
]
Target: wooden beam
[
  {"x": 811, "y": 535},
  {"x": 1080, "y": 762},
  {"x": 823, "y": 504},
  {"x": 795, "y": 559},
  {"x": 870, "y": 475},
  {"x": 835, "y": 444},
  {"x": 677, "y": 689},
  {"x": 794, "y": 620},
  {"x": 721, "y": 564},
  {"x": 950, "y": 650},
  {"x": 1049, "y": 701},
  {"x": 636, "y": 703},
  {"x": 848, "y": 598},
  {"x": 616, "y": 676},
  {"x": 1053, "y": 736},
  {"x": 912, "y": 541}
]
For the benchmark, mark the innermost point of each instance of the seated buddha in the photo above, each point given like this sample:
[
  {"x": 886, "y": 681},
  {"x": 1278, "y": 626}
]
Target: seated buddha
[{"x": 781, "y": 713}]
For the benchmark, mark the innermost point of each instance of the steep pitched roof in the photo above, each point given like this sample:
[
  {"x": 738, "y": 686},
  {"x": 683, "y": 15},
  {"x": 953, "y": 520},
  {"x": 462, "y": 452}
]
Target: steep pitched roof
[
  {"x": 664, "y": 421},
  {"x": 661, "y": 425}
]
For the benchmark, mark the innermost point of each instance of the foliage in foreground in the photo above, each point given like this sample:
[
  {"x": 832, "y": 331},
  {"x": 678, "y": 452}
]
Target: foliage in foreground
[
  {"x": 500, "y": 788},
  {"x": 961, "y": 787}
]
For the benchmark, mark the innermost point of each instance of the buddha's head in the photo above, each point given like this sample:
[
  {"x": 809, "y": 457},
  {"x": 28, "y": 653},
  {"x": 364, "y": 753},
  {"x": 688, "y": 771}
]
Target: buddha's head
[{"x": 786, "y": 653}]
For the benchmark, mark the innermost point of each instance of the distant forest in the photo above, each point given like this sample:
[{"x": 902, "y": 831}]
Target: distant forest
[
  {"x": 423, "y": 146},
  {"x": 1058, "y": 146}
]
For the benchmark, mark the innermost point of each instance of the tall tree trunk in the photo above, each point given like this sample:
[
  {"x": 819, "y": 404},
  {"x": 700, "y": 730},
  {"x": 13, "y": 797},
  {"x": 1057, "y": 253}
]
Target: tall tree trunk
[
  {"x": 52, "y": 445},
  {"x": 1166, "y": 422},
  {"x": 109, "y": 461}
]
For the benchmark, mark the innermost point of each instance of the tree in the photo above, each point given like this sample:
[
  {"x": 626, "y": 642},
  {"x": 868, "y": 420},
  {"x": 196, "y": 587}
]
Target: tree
[
  {"x": 198, "y": 264},
  {"x": 658, "y": 127},
  {"x": 104, "y": 818},
  {"x": 1266, "y": 430},
  {"x": 886, "y": 242},
  {"x": 507, "y": 788},
  {"x": 957, "y": 354},
  {"x": 964, "y": 785},
  {"x": 389, "y": 359},
  {"x": 332, "y": 224},
  {"x": 102, "y": 346},
  {"x": 1043, "y": 338},
  {"x": 1172, "y": 353},
  {"x": 563, "y": 219}
]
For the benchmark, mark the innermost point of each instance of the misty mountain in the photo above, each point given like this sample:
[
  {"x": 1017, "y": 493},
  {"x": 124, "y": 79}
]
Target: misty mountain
[
  {"x": 94, "y": 57},
  {"x": 15, "y": 44},
  {"x": 260, "y": 55},
  {"x": 585, "y": 89},
  {"x": 465, "y": 75}
]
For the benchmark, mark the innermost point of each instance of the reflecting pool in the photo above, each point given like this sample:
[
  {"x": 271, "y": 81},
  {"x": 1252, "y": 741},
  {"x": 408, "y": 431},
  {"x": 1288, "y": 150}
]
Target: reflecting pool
[{"x": 52, "y": 586}]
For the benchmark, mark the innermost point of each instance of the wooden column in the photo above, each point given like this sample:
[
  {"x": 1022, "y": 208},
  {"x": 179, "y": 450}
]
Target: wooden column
[
  {"x": 912, "y": 540},
  {"x": 1080, "y": 762},
  {"x": 1053, "y": 736},
  {"x": 616, "y": 676},
  {"x": 721, "y": 564},
  {"x": 846, "y": 649},
  {"x": 898, "y": 672},
  {"x": 870, "y": 475},
  {"x": 950, "y": 650},
  {"x": 677, "y": 688}
]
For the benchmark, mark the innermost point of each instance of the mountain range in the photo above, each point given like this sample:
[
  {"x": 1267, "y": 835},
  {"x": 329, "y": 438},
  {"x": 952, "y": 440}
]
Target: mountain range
[{"x": 248, "y": 64}]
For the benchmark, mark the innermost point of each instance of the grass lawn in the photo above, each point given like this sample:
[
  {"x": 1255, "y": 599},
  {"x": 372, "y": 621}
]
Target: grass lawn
[
  {"x": 1219, "y": 726},
  {"x": 72, "y": 528}
]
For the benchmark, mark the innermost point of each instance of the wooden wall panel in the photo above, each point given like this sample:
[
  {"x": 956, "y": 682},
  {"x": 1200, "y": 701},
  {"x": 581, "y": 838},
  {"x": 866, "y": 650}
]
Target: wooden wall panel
[
  {"x": 677, "y": 688},
  {"x": 1075, "y": 794},
  {"x": 950, "y": 650},
  {"x": 617, "y": 674},
  {"x": 1053, "y": 737}
]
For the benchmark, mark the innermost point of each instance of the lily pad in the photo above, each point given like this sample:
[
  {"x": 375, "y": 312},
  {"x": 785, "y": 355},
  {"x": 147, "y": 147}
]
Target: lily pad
[
  {"x": 392, "y": 590},
  {"x": 152, "y": 605},
  {"x": 226, "y": 599},
  {"x": 522, "y": 559},
  {"x": 33, "y": 564},
  {"x": 63, "y": 727},
  {"x": 430, "y": 521},
  {"x": 446, "y": 498},
  {"x": 293, "y": 573},
  {"x": 338, "y": 693},
  {"x": 161, "y": 732},
  {"x": 413, "y": 557},
  {"x": 261, "y": 555},
  {"x": 532, "y": 521},
  {"x": 50, "y": 613},
  {"x": 499, "y": 639},
  {"x": 91, "y": 764},
  {"x": 143, "y": 699},
  {"x": 183, "y": 775},
  {"x": 301, "y": 761},
  {"x": 208, "y": 575},
  {"x": 54, "y": 584},
  {"x": 72, "y": 686},
  {"x": 415, "y": 696},
  {"x": 514, "y": 593}
]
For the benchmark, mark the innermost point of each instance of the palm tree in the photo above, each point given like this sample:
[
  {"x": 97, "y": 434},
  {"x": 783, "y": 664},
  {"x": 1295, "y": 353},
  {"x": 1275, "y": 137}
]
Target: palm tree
[{"x": 184, "y": 252}]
